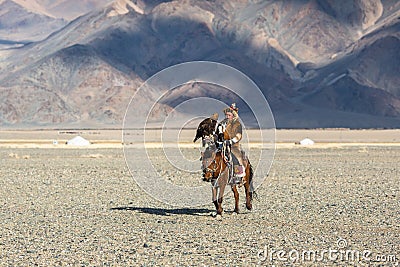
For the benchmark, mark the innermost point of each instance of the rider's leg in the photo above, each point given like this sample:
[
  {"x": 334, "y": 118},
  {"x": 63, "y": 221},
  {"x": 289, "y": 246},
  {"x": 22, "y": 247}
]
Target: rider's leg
[{"x": 239, "y": 170}]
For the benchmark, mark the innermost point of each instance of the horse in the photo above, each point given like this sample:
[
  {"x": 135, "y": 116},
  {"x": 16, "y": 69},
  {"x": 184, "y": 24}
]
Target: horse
[{"x": 219, "y": 172}]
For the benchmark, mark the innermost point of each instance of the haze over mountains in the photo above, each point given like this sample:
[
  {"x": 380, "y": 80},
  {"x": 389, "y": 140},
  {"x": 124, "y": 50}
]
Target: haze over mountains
[{"x": 319, "y": 63}]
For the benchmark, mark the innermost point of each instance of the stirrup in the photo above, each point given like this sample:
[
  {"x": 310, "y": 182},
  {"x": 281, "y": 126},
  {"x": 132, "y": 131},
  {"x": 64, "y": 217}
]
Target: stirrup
[{"x": 237, "y": 180}]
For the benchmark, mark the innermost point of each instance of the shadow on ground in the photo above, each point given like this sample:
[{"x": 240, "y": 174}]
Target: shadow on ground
[{"x": 166, "y": 212}]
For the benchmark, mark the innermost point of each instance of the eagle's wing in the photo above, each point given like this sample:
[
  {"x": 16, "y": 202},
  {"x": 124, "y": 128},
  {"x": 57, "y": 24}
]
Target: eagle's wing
[{"x": 206, "y": 127}]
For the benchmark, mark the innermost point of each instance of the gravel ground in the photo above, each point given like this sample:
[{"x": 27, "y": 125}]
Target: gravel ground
[{"x": 318, "y": 207}]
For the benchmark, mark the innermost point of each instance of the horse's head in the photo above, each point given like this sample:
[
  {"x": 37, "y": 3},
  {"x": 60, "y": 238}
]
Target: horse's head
[{"x": 210, "y": 164}]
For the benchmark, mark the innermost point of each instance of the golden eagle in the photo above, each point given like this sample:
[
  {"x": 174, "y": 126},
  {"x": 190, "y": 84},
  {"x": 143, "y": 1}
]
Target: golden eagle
[{"x": 206, "y": 127}]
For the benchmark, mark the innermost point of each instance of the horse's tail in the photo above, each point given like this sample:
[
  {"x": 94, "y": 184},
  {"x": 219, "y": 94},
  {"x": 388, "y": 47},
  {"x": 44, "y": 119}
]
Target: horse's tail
[
  {"x": 251, "y": 174},
  {"x": 252, "y": 190}
]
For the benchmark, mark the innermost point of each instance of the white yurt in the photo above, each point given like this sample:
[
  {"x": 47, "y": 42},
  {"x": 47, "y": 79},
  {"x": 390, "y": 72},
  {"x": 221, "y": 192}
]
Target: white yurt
[
  {"x": 306, "y": 142},
  {"x": 78, "y": 141}
]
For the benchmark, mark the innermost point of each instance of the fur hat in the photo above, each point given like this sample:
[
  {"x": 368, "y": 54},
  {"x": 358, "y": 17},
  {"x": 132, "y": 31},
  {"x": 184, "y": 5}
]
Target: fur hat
[{"x": 232, "y": 109}]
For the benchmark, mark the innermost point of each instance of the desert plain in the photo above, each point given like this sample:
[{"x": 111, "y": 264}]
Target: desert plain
[{"x": 334, "y": 203}]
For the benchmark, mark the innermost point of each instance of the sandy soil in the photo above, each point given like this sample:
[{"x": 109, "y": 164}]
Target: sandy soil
[{"x": 81, "y": 207}]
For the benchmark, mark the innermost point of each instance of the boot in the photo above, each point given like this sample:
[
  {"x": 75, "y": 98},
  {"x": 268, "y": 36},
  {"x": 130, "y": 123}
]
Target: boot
[{"x": 238, "y": 174}]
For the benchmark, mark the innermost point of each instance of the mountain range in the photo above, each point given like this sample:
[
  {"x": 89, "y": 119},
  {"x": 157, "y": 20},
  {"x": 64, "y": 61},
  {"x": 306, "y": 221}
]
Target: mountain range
[{"x": 319, "y": 63}]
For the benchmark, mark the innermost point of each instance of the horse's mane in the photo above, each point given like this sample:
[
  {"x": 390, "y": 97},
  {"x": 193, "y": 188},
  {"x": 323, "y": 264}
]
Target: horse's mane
[{"x": 210, "y": 151}]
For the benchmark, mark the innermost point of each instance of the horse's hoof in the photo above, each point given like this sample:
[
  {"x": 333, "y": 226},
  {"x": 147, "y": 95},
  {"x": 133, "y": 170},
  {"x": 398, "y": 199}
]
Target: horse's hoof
[{"x": 219, "y": 217}]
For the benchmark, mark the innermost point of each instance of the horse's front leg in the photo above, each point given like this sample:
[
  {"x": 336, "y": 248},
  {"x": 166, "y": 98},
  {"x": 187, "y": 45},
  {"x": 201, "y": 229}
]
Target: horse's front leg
[
  {"x": 220, "y": 198},
  {"x": 217, "y": 199},
  {"x": 236, "y": 194},
  {"x": 218, "y": 206}
]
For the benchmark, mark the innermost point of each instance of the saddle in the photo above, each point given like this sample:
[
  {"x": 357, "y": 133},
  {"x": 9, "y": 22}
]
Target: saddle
[{"x": 233, "y": 165}]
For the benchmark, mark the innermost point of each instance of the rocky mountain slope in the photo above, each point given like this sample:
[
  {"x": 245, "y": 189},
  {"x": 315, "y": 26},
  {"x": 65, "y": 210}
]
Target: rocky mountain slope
[
  {"x": 65, "y": 9},
  {"x": 19, "y": 25},
  {"x": 319, "y": 63}
]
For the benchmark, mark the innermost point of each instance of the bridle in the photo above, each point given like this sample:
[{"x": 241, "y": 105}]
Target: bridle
[
  {"x": 213, "y": 170},
  {"x": 207, "y": 169},
  {"x": 213, "y": 143}
]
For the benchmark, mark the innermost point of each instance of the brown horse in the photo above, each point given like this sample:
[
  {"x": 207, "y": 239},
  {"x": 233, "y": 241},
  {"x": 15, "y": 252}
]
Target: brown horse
[{"x": 216, "y": 170}]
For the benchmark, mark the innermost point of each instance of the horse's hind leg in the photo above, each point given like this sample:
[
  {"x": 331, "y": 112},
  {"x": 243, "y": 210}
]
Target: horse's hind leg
[
  {"x": 249, "y": 196},
  {"x": 248, "y": 186},
  {"x": 236, "y": 194}
]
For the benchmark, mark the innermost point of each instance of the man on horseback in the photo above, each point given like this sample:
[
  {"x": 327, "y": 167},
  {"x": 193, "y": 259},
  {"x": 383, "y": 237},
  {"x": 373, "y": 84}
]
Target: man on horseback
[
  {"x": 232, "y": 137},
  {"x": 224, "y": 163}
]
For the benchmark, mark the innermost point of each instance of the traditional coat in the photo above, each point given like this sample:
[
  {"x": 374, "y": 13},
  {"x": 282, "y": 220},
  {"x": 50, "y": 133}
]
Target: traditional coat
[{"x": 233, "y": 131}]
